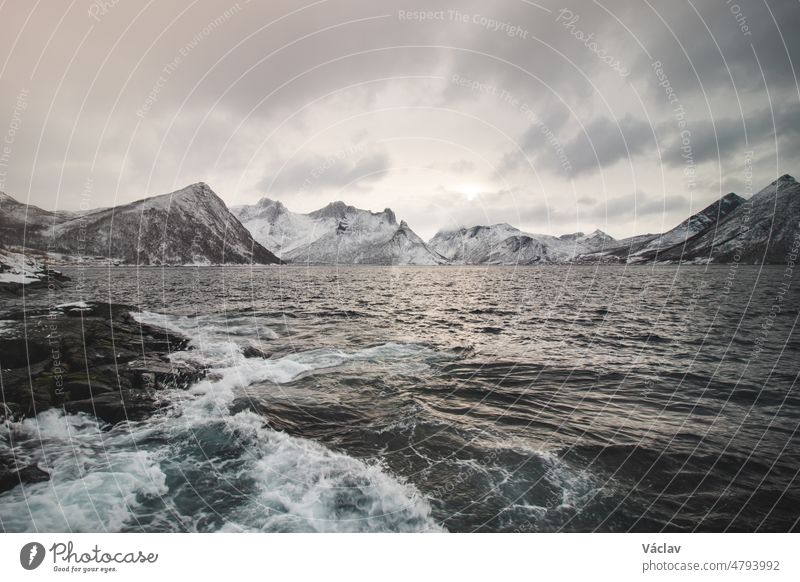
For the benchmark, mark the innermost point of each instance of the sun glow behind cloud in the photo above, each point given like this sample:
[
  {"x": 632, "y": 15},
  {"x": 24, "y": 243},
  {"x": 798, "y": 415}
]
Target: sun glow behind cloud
[
  {"x": 446, "y": 122},
  {"x": 471, "y": 190}
]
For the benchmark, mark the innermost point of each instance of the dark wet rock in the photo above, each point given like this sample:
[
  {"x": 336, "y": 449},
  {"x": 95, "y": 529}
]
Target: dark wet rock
[
  {"x": 254, "y": 352},
  {"x": 116, "y": 407},
  {"x": 82, "y": 389},
  {"x": 15, "y": 470},
  {"x": 97, "y": 360},
  {"x": 45, "y": 277},
  {"x": 17, "y": 353},
  {"x": 11, "y": 476}
]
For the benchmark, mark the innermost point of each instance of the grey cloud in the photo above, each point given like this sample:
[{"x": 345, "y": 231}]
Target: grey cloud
[
  {"x": 605, "y": 142},
  {"x": 732, "y": 136},
  {"x": 718, "y": 53},
  {"x": 641, "y": 204},
  {"x": 248, "y": 94},
  {"x": 314, "y": 172},
  {"x": 553, "y": 120},
  {"x": 601, "y": 143}
]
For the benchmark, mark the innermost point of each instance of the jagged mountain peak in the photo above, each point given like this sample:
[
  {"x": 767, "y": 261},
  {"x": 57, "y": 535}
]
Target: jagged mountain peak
[
  {"x": 337, "y": 209},
  {"x": 731, "y": 228},
  {"x": 389, "y": 213},
  {"x": 199, "y": 192},
  {"x": 196, "y": 189},
  {"x": 265, "y": 208},
  {"x": 482, "y": 228},
  {"x": 784, "y": 184},
  {"x": 762, "y": 230},
  {"x": 341, "y": 210},
  {"x": 727, "y": 203},
  {"x": 597, "y": 233},
  {"x": 693, "y": 226},
  {"x": 337, "y": 233},
  {"x": 191, "y": 225},
  {"x": 731, "y": 196}
]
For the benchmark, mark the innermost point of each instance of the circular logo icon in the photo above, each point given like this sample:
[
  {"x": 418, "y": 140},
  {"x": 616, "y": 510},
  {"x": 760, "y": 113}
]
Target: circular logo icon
[{"x": 31, "y": 555}]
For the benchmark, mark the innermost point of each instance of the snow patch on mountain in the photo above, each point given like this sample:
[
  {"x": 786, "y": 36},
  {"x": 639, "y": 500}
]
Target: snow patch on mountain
[
  {"x": 695, "y": 224},
  {"x": 19, "y": 268},
  {"x": 763, "y": 229},
  {"x": 191, "y": 226},
  {"x": 336, "y": 234},
  {"x": 503, "y": 244}
]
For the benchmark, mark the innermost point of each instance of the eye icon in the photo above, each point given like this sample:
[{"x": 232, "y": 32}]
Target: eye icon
[{"x": 31, "y": 555}]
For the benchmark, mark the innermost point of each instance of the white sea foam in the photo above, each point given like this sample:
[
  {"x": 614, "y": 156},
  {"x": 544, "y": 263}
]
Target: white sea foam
[
  {"x": 302, "y": 486},
  {"x": 109, "y": 480},
  {"x": 80, "y": 305},
  {"x": 214, "y": 347},
  {"x": 95, "y": 484},
  {"x": 217, "y": 341}
]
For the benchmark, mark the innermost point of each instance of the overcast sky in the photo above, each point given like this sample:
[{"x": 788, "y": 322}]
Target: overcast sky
[{"x": 552, "y": 116}]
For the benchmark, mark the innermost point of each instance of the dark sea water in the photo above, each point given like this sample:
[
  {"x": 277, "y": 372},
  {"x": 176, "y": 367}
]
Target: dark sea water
[{"x": 464, "y": 399}]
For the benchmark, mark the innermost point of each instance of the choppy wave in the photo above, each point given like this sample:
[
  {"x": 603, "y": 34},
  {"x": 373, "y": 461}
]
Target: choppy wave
[
  {"x": 602, "y": 405},
  {"x": 97, "y": 480},
  {"x": 150, "y": 474}
]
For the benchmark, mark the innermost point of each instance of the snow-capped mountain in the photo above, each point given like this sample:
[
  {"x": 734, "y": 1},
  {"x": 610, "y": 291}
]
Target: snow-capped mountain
[
  {"x": 648, "y": 247},
  {"x": 335, "y": 234},
  {"x": 193, "y": 226},
  {"x": 694, "y": 225},
  {"x": 762, "y": 229},
  {"x": 621, "y": 250},
  {"x": 502, "y": 244},
  {"x": 188, "y": 226},
  {"x": 275, "y": 227},
  {"x": 25, "y": 221}
]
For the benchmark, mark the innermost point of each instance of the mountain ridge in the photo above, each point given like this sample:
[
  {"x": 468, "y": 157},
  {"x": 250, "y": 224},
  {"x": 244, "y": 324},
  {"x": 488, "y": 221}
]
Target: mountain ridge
[
  {"x": 503, "y": 244},
  {"x": 337, "y": 233},
  {"x": 191, "y": 225}
]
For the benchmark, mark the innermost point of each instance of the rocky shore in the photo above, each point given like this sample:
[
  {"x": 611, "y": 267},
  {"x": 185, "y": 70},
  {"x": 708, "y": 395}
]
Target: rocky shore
[
  {"x": 22, "y": 269},
  {"x": 92, "y": 358}
]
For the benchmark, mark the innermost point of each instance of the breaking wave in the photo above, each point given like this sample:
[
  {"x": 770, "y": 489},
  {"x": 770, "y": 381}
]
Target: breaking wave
[{"x": 199, "y": 466}]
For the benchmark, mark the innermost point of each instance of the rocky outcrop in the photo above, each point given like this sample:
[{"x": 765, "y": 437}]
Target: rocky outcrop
[
  {"x": 85, "y": 357},
  {"x": 21, "y": 270}
]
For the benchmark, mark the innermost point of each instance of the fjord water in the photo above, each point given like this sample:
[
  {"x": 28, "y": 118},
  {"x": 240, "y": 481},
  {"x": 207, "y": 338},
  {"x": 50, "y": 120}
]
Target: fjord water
[{"x": 557, "y": 398}]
